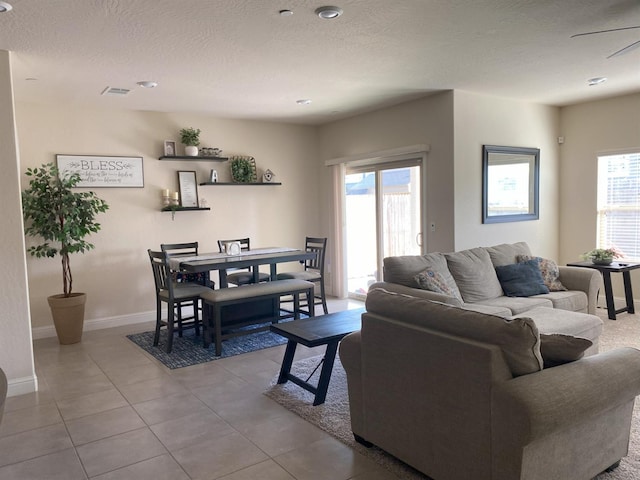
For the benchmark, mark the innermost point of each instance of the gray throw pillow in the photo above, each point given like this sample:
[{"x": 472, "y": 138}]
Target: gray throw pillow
[
  {"x": 403, "y": 269},
  {"x": 557, "y": 349},
  {"x": 474, "y": 274}
]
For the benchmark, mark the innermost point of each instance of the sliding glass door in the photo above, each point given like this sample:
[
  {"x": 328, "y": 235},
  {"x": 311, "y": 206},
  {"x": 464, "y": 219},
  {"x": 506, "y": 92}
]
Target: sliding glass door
[{"x": 383, "y": 218}]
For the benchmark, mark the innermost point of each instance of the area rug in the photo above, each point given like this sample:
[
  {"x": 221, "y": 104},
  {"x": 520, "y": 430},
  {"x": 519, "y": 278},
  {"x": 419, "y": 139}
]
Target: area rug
[
  {"x": 333, "y": 415},
  {"x": 188, "y": 350}
]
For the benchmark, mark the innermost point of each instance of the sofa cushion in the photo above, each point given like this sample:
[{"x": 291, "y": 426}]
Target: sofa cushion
[
  {"x": 557, "y": 349},
  {"x": 551, "y": 320},
  {"x": 549, "y": 270},
  {"x": 521, "y": 279},
  {"x": 403, "y": 269},
  {"x": 572, "y": 300},
  {"x": 474, "y": 274},
  {"x": 517, "y": 338},
  {"x": 507, "y": 253},
  {"x": 439, "y": 282},
  {"x": 518, "y": 305}
]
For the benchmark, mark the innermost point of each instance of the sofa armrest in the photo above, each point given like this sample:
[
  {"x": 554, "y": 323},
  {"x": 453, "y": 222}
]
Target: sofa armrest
[
  {"x": 350, "y": 352},
  {"x": 532, "y": 406},
  {"x": 417, "y": 292},
  {"x": 586, "y": 280}
]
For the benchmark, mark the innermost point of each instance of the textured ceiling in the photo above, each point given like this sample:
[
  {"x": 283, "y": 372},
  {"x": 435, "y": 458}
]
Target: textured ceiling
[{"x": 241, "y": 59}]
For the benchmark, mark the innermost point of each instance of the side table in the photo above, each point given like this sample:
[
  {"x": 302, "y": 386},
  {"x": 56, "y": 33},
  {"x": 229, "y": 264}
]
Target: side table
[{"x": 606, "y": 271}]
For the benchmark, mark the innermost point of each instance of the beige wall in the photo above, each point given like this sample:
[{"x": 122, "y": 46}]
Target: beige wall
[
  {"x": 590, "y": 129},
  {"x": 116, "y": 275},
  {"x": 481, "y": 120},
  {"x": 456, "y": 125},
  {"x": 425, "y": 121},
  {"x": 16, "y": 353}
]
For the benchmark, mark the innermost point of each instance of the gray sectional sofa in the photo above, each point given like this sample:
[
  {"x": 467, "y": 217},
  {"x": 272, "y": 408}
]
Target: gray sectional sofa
[
  {"x": 468, "y": 279},
  {"x": 459, "y": 394}
]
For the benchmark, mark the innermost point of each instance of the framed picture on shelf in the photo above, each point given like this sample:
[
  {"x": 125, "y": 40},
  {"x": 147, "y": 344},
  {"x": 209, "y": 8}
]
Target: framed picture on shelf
[
  {"x": 169, "y": 148},
  {"x": 188, "y": 188}
]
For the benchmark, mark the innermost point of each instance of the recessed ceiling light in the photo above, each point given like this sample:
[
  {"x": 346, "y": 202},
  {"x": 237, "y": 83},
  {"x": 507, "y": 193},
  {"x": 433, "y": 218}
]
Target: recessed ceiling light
[
  {"x": 303, "y": 101},
  {"x": 5, "y": 7},
  {"x": 148, "y": 84},
  {"x": 596, "y": 81},
  {"x": 328, "y": 13},
  {"x": 285, "y": 13}
]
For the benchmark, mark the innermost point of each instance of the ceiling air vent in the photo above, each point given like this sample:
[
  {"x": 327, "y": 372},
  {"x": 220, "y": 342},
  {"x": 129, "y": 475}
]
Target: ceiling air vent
[{"x": 114, "y": 91}]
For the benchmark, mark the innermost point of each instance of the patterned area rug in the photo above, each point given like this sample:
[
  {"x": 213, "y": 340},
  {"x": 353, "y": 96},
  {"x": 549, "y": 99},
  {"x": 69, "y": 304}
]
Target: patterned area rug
[
  {"x": 333, "y": 416},
  {"x": 188, "y": 350}
]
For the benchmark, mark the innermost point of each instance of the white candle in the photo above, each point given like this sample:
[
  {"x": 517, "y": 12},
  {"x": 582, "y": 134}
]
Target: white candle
[
  {"x": 175, "y": 195},
  {"x": 165, "y": 192}
]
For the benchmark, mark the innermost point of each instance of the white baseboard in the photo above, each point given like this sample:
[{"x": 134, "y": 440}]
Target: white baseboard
[
  {"x": 99, "y": 323},
  {"x": 20, "y": 386}
]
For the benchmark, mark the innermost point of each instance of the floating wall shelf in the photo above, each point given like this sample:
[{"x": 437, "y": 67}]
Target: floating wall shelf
[
  {"x": 234, "y": 184},
  {"x": 183, "y": 209},
  {"x": 186, "y": 157}
]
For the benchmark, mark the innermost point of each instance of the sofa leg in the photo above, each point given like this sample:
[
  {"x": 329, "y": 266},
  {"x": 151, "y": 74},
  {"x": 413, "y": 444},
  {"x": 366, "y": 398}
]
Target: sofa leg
[
  {"x": 362, "y": 441},
  {"x": 611, "y": 468}
]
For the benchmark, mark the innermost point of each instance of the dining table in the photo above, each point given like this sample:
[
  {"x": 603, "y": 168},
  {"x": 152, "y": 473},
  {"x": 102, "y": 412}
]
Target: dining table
[{"x": 205, "y": 262}]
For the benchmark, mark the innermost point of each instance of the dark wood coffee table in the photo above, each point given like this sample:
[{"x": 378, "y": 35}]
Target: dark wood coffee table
[{"x": 312, "y": 332}]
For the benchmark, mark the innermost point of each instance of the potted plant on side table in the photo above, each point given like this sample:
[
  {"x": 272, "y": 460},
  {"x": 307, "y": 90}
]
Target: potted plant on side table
[
  {"x": 190, "y": 137},
  {"x": 602, "y": 256},
  {"x": 56, "y": 213}
]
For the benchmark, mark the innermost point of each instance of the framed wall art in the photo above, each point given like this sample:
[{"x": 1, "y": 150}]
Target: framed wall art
[
  {"x": 188, "y": 188},
  {"x": 169, "y": 148},
  {"x": 102, "y": 171}
]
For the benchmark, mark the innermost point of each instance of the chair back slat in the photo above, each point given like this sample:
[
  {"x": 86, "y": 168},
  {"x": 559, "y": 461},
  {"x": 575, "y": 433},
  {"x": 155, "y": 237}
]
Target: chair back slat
[
  {"x": 190, "y": 248},
  {"x": 317, "y": 246},
  {"x": 161, "y": 273}
]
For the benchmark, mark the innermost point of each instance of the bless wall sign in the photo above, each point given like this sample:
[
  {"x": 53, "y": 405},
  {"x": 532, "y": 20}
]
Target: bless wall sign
[{"x": 99, "y": 171}]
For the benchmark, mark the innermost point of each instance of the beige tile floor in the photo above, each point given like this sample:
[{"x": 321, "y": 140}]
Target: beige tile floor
[{"x": 107, "y": 410}]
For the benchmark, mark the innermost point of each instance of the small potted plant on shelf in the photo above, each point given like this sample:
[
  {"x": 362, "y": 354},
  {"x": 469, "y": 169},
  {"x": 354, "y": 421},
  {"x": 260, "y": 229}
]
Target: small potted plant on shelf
[
  {"x": 57, "y": 214},
  {"x": 190, "y": 138},
  {"x": 602, "y": 256}
]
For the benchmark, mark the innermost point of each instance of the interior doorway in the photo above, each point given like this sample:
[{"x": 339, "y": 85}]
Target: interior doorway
[{"x": 383, "y": 217}]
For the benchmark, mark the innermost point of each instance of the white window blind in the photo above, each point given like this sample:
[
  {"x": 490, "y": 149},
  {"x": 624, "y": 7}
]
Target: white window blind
[{"x": 619, "y": 203}]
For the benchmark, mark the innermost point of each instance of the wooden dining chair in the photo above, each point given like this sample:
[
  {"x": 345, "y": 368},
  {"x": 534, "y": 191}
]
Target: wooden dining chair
[
  {"x": 186, "y": 250},
  {"x": 176, "y": 295},
  {"x": 313, "y": 271},
  {"x": 242, "y": 276}
]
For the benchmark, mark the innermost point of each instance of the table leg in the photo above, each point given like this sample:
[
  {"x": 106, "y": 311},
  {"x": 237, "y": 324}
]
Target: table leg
[
  {"x": 222, "y": 275},
  {"x": 273, "y": 272},
  {"x": 608, "y": 293},
  {"x": 287, "y": 361},
  {"x": 325, "y": 373},
  {"x": 628, "y": 292}
]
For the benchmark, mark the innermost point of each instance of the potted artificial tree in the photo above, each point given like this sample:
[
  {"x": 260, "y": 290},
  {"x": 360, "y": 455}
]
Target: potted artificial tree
[
  {"x": 57, "y": 214},
  {"x": 190, "y": 137}
]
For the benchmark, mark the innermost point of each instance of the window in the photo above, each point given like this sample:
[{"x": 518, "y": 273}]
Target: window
[{"x": 619, "y": 203}]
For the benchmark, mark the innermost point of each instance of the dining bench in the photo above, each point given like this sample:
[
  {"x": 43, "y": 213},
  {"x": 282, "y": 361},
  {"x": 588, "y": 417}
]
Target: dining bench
[{"x": 217, "y": 302}]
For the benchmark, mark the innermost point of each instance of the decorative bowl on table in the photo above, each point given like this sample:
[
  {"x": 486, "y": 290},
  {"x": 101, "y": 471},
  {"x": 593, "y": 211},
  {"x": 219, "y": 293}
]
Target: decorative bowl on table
[{"x": 602, "y": 261}]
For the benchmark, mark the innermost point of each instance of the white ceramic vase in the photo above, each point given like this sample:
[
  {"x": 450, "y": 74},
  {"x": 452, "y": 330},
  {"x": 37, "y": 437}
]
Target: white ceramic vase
[{"x": 191, "y": 151}]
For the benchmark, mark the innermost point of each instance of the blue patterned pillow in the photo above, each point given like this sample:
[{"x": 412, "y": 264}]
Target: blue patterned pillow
[{"x": 521, "y": 279}]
